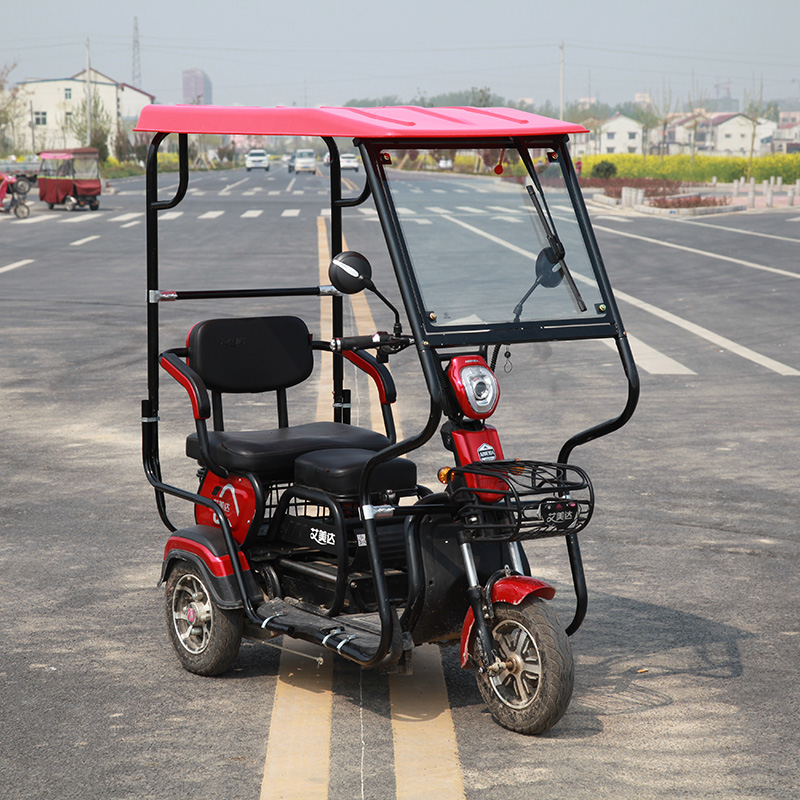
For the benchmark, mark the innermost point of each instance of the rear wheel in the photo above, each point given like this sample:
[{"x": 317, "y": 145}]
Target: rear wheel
[
  {"x": 94, "y": 205},
  {"x": 530, "y": 692},
  {"x": 70, "y": 203},
  {"x": 206, "y": 637}
]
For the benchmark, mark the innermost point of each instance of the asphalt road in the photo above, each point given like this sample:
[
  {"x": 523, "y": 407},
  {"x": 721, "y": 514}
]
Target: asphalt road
[{"x": 686, "y": 666}]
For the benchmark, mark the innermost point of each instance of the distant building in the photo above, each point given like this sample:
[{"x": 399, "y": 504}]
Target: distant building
[
  {"x": 196, "y": 87},
  {"x": 43, "y": 110},
  {"x": 620, "y": 134}
]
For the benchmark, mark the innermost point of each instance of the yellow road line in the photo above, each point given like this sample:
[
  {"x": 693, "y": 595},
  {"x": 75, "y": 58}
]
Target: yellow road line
[
  {"x": 425, "y": 751},
  {"x": 297, "y": 763},
  {"x": 425, "y": 748}
]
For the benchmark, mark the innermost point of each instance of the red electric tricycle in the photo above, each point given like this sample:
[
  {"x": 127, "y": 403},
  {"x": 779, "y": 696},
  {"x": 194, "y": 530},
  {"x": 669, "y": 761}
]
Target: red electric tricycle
[
  {"x": 70, "y": 177},
  {"x": 320, "y": 530}
]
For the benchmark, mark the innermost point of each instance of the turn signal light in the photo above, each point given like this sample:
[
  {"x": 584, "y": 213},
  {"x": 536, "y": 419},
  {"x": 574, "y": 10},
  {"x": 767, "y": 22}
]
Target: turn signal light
[{"x": 444, "y": 474}]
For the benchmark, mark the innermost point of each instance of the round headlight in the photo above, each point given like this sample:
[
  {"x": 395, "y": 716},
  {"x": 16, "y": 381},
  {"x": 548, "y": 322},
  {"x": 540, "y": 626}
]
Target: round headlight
[{"x": 475, "y": 385}]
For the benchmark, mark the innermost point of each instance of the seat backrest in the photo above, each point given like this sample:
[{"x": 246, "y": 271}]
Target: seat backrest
[{"x": 251, "y": 354}]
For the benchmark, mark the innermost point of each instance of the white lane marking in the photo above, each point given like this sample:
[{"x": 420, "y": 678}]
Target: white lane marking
[
  {"x": 230, "y": 186},
  {"x": 80, "y": 218},
  {"x": 170, "y": 215},
  {"x": 126, "y": 217},
  {"x": 651, "y": 360},
  {"x": 79, "y": 242},
  {"x": 291, "y": 212},
  {"x": 325, "y": 212},
  {"x": 273, "y": 192},
  {"x": 16, "y": 265},
  {"x": 508, "y": 219},
  {"x": 707, "y": 253},
  {"x": 697, "y": 330},
  {"x": 406, "y": 211},
  {"x": 438, "y": 210},
  {"x": 471, "y": 210},
  {"x": 736, "y": 230},
  {"x": 291, "y": 185},
  {"x": 211, "y": 215},
  {"x": 505, "y": 209},
  {"x": 368, "y": 212},
  {"x": 252, "y": 213},
  {"x": 131, "y": 224},
  {"x": 419, "y": 221},
  {"x": 31, "y": 220},
  {"x": 610, "y": 218}
]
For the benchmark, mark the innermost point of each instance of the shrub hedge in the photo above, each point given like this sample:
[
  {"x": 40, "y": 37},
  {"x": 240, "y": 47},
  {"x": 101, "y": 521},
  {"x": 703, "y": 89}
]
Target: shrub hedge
[{"x": 681, "y": 167}]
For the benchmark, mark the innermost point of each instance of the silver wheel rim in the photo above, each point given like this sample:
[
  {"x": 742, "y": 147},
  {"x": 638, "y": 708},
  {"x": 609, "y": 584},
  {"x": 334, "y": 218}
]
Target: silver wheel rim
[
  {"x": 519, "y": 681},
  {"x": 192, "y": 614}
]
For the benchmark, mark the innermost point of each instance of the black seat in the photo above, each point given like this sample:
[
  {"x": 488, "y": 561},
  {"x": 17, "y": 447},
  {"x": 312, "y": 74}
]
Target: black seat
[
  {"x": 262, "y": 354},
  {"x": 338, "y": 472}
]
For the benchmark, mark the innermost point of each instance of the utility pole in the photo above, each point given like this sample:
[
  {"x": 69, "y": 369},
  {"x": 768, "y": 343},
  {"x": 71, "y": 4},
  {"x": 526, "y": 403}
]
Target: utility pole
[
  {"x": 136, "y": 73},
  {"x": 88, "y": 96},
  {"x": 561, "y": 93}
]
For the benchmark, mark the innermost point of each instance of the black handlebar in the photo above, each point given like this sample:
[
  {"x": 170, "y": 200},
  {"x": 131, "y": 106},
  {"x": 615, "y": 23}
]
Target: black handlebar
[{"x": 379, "y": 339}]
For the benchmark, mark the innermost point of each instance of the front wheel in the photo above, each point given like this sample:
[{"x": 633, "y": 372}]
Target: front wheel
[
  {"x": 205, "y": 636},
  {"x": 70, "y": 203},
  {"x": 530, "y": 689},
  {"x": 21, "y": 211}
]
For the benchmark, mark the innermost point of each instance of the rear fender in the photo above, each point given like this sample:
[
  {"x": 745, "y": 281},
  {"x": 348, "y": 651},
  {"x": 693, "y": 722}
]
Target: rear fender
[
  {"x": 513, "y": 589},
  {"x": 204, "y": 547}
]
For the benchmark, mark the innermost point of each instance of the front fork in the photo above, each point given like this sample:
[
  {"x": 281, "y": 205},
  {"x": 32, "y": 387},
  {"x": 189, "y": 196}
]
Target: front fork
[{"x": 481, "y": 604}]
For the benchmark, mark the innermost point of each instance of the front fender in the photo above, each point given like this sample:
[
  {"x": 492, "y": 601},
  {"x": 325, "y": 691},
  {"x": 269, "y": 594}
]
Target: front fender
[{"x": 513, "y": 589}]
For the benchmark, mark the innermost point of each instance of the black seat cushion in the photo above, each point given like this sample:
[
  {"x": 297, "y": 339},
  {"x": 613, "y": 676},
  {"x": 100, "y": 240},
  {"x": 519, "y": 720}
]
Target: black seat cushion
[
  {"x": 338, "y": 472},
  {"x": 272, "y": 453}
]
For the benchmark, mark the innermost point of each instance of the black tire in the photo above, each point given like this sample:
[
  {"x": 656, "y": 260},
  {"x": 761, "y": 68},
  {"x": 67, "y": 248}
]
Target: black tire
[
  {"x": 532, "y": 695},
  {"x": 94, "y": 205},
  {"x": 21, "y": 211},
  {"x": 23, "y": 185},
  {"x": 206, "y": 637}
]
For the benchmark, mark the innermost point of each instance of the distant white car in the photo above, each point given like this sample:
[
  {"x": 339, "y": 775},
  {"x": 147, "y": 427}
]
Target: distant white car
[
  {"x": 257, "y": 159},
  {"x": 445, "y": 163},
  {"x": 304, "y": 161},
  {"x": 349, "y": 161}
]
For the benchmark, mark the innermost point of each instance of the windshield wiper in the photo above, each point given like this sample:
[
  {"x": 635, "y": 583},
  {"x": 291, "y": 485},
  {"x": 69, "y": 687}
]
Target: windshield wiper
[{"x": 557, "y": 248}]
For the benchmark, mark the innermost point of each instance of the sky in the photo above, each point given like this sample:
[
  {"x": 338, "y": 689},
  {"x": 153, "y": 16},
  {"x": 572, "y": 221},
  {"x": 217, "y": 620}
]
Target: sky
[{"x": 316, "y": 52}]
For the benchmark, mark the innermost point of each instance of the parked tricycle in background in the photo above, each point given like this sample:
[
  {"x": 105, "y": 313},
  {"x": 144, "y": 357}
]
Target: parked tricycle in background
[
  {"x": 320, "y": 530},
  {"x": 70, "y": 177}
]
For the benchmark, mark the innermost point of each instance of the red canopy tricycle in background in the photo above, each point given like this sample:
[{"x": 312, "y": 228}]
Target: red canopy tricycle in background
[{"x": 71, "y": 177}]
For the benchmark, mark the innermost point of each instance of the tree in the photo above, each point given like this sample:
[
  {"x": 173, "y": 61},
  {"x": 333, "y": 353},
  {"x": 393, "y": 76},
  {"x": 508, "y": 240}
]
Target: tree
[
  {"x": 9, "y": 99},
  {"x": 101, "y": 125},
  {"x": 753, "y": 111}
]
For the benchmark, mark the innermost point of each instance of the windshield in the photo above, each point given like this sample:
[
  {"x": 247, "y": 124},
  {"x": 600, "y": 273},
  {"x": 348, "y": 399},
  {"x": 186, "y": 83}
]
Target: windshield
[
  {"x": 488, "y": 244},
  {"x": 86, "y": 168},
  {"x": 305, "y": 154}
]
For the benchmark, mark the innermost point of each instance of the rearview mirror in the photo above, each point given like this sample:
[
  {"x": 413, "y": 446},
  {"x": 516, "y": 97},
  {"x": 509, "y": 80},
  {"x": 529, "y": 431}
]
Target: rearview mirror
[
  {"x": 350, "y": 272},
  {"x": 548, "y": 269}
]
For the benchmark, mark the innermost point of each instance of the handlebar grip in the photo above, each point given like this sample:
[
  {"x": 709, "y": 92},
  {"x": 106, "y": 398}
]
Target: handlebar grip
[{"x": 358, "y": 342}]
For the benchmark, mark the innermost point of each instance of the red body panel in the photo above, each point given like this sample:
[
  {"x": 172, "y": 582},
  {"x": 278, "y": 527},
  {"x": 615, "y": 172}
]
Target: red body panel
[
  {"x": 237, "y": 499},
  {"x": 218, "y": 566},
  {"x": 513, "y": 590},
  {"x": 482, "y": 445}
]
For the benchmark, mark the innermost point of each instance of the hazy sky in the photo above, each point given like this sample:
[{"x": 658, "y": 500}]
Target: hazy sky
[{"x": 320, "y": 53}]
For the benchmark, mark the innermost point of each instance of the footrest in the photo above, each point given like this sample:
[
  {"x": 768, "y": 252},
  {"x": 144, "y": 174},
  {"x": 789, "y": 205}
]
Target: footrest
[
  {"x": 338, "y": 472},
  {"x": 358, "y": 638}
]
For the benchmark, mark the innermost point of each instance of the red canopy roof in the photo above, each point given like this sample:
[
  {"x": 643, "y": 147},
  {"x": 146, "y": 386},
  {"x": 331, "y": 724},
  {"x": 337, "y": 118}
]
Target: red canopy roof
[{"x": 387, "y": 122}]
